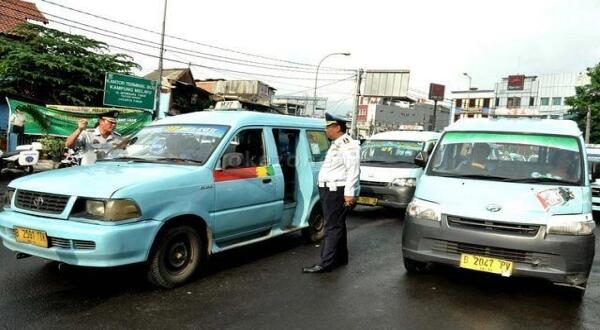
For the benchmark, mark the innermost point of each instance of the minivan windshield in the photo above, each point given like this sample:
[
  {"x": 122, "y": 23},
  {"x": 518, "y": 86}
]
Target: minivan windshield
[
  {"x": 171, "y": 143},
  {"x": 509, "y": 157},
  {"x": 390, "y": 152}
]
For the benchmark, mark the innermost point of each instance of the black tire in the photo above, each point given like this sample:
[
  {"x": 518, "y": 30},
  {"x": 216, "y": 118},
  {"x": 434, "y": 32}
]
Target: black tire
[
  {"x": 413, "y": 266},
  {"x": 316, "y": 226},
  {"x": 29, "y": 169},
  {"x": 572, "y": 293},
  {"x": 176, "y": 256}
]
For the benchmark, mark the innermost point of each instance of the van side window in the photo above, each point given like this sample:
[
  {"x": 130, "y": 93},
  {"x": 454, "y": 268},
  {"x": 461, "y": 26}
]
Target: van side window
[
  {"x": 319, "y": 144},
  {"x": 250, "y": 144}
]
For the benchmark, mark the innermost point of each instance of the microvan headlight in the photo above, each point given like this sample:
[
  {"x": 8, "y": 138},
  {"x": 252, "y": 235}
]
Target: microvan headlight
[
  {"x": 571, "y": 224},
  {"x": 111, "y": 210},
  {"x": 8, "y": 196},
  {"x": 404, "y": 182},
  {"x": 425, "y": 210}
]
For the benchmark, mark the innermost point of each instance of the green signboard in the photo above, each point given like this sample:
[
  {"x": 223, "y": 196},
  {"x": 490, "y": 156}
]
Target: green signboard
[
  {"x": 129, "y": 92},
  {"x": 62, "y": 121}
]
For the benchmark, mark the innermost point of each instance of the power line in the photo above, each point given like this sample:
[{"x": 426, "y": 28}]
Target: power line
[
  {"x": 190, "y": 41},
  {"x": 199, "y": 65}
]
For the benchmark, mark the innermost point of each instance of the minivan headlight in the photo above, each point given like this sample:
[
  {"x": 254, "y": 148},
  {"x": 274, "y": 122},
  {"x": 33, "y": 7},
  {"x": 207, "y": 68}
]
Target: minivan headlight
[
  {"x": 8, "y": 196},
  {"x": 425, "y": 210},
  {"x": 571, "y": 224},
  {"x": 110, "y": 210},
  {"x": 404, "y": 182}
]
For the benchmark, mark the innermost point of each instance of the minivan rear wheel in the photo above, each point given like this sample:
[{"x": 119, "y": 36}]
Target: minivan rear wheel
[
  {"x": 316, "y": 226},
  {"x": 176, "y": 256}
]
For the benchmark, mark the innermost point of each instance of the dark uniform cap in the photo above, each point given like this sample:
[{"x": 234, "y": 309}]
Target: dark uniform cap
[
  {"x": 109, "y": 115},
  {"x": 333, "y": 119}
]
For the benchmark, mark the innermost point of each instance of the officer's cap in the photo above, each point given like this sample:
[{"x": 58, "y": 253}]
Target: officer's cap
[
  {"x": 110, "y": 116},
  {"x": 333, "y": 119}
]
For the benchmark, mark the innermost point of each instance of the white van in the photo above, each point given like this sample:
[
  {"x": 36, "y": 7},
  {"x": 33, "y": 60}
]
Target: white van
[
  {"x": 593, "y": 154},
  {"x": 388, "y": 173},
  {"x": 505, "y": 216}
]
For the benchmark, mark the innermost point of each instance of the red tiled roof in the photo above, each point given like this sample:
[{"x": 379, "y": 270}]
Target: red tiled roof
[{"x": 15, "y": 12}]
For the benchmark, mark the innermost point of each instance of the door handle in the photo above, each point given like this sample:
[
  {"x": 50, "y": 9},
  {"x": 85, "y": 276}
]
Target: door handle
[{"x": 267, "y": 180}]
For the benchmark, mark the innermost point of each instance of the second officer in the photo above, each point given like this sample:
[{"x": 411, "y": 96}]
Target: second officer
[{"x": 338, "y": 190}]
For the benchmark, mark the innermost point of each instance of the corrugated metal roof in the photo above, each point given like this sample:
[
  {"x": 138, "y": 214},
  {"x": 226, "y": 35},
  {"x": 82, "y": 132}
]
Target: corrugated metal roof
[
  {"x": 16, "y": 12},
  {"x": 517, "y": 125}
]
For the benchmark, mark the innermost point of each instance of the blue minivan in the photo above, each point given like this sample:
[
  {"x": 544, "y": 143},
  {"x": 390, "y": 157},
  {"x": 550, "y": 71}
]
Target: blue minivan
[{"x": 183, "y": 188}]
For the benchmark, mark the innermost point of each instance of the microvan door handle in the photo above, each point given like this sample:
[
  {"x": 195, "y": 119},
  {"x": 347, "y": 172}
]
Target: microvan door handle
[{"x": 267, "y": 180}]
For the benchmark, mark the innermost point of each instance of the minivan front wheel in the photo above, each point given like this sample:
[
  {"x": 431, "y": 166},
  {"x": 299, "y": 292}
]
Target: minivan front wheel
[
  {"x": 414, "y": 266},
  {"x": 175, "y": 257}
]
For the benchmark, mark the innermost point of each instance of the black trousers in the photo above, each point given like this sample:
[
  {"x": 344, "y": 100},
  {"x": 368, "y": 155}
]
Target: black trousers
[{"x": 335, "y": 245}]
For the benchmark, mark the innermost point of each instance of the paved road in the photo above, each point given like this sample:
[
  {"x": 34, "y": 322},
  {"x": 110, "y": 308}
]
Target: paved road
[{"x": 262, "y": 287}]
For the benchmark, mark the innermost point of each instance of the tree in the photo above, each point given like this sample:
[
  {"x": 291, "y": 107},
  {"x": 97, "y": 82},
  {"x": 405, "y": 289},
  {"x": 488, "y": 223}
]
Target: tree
[
  {"x": 56, "y": 67},
  {"x": 588, "y": 96}
]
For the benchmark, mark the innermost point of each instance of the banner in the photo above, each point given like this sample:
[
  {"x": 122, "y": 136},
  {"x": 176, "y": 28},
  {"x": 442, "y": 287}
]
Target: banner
[{"x": 61, "y": 120}]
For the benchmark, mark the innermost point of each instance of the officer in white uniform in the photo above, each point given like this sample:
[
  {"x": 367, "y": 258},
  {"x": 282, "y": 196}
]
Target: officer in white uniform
[
  {"x": 96, "y": 142},
  {"x": 338, "y": 189}
]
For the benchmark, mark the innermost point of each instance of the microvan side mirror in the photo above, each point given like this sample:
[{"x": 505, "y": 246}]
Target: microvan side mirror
[
  {"x": 232, "y": 159},
  {"x": 421, "y": 158}
]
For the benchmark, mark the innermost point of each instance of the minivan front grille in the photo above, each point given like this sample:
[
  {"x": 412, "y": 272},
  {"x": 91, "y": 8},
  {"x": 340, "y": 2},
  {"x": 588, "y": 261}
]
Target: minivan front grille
[
  {"x": 493, "y": 226},
  {"x": 40, "y": 202},
  {"x": 373, "y": 183},
  {"x": 532, "y": 258},
  {"x": 595, "y": 192}
]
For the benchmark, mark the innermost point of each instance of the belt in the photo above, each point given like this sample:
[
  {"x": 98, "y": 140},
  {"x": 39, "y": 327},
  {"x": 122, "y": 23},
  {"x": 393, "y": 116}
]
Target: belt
[{"x": 331, "y": 184}]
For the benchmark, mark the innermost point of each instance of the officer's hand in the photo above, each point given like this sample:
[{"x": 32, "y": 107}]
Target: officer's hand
[
  {"x": 82, "y": 124},
  {"x": 349, "y": 200}
]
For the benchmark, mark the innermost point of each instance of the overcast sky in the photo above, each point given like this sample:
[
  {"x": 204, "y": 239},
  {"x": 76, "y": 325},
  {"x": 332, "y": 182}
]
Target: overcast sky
[{"x": 437, "y": 40}]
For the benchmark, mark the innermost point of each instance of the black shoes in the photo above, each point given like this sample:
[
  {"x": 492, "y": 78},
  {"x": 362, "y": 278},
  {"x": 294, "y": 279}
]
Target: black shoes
[{"x": 316, "y": 269}]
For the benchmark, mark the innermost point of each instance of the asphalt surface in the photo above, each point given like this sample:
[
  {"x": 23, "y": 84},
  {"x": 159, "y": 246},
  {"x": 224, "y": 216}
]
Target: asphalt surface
[{"x": 261, "y": 287}]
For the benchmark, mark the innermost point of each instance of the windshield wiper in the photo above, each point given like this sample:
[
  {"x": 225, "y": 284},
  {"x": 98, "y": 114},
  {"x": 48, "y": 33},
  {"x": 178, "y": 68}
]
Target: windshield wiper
[
  {"x": 176, "y": 159},
  {"x": 373, "y": 161},
  {"x": 398, "y": 161},
  {"x": 133, "y": 159},
  {"x": 471, "y": 176},
  {"x": 540, "y": 180}
]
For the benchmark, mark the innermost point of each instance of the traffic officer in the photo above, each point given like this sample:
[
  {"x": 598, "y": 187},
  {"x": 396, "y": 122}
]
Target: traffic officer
[
  {"x": 338, "y": 188},
  {"x": 95, "y": 142}
]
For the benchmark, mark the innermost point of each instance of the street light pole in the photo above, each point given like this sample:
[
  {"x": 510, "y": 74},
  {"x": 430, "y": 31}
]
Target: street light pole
[
  {"x": 160, "y": 61},
  {"x": 317, "y": 77}
]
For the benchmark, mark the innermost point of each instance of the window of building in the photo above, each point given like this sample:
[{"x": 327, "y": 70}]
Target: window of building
[
  {"x": 497, "y": 101},
  {"x": 486, "y": 103},
  {"x": 459, "y": 103},
  {"x": 472, "y": 103},
  {"x": 556, "y": 100},
  {"x": 531, "y": 101},
  {"x": 513, "y": 102},
  {"x": 545, "y": 101}
]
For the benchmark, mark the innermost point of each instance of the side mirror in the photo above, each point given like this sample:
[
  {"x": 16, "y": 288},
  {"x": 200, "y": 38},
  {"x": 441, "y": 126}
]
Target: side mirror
[
  {"x": 421, "y": 158},
  {"x": 232, "y": 159}
]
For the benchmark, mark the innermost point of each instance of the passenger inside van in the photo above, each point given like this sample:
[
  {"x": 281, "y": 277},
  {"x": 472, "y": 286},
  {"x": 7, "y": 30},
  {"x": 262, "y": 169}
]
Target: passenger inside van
[
  {"x": 564, "y": 165},
  {"x": 477, "y": 164}
]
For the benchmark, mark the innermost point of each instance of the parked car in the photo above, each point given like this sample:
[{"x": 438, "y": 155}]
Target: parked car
[
  {"x": 184, "y": 188},
  {"x": 388, "y": 173},
  {"x": 507, "y": 217}
]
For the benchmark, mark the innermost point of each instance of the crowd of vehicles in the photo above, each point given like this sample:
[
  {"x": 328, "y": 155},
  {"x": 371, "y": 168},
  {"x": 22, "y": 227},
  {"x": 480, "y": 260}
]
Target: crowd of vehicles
[{"x": 506, "y": 196}]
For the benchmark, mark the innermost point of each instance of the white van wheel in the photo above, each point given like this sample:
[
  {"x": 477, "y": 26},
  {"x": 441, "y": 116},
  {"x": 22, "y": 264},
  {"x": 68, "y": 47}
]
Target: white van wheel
[
  {"x": 316, "y": 226},
  {"x": 176, "y": 256},
  {"x": 413, "y": 266}
]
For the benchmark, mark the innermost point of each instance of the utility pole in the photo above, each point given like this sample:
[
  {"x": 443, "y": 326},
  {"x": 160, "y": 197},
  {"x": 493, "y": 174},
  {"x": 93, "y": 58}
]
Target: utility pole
[
  {"x": 160, "y": 63},
  {"x": 434, "y": 114},
  {"x": 356, "y": 103},
  {"x": 588, "y": 124}
]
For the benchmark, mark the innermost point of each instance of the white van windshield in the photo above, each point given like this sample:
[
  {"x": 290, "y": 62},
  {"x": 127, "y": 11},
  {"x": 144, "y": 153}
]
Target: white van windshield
[
  {"x": 171, "y": 143},
  {"x": 390, "y": 152},
  {"x": 527, "y": 158}
]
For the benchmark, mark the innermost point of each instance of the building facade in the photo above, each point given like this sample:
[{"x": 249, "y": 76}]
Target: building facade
[{"x": 473, "y": 103}]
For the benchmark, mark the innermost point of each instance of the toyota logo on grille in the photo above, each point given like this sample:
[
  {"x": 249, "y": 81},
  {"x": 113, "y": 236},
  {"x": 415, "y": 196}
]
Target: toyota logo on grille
[
  {"x": 493, "y": 208},
  {"x": 38, "y": 202}
]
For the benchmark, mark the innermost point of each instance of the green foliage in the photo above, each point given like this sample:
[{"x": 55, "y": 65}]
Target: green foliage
[
  {"x": 52, "y": 146},
  {"x": 56, "y": 67},
  {"x": 588, "y": 96}
]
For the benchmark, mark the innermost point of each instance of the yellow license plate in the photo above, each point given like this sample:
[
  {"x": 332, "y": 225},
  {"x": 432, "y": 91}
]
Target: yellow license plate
[
  {"x": 486, "y": 264},
  {"x": 31, "y": 236},
  {"x": 367, "y": 201}
]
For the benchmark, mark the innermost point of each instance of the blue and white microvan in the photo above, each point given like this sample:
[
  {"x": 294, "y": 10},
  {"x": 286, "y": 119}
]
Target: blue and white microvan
[
  {"x": 183, "y": 188},
  {"x": 388, "y": 173},
  {"x": 529, "y": 215}
]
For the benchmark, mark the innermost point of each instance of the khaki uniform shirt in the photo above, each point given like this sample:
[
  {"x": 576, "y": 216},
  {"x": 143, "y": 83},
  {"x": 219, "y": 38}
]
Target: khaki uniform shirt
[{"x": 94, "y": 146}]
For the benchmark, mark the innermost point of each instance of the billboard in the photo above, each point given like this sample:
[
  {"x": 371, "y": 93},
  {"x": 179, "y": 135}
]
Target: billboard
[
  {"x": 129, "y": 91},
  {"x": 386, "y": 83},
  {"x": 436, "y": 92},
  {"x": 516, "y": 83}
]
